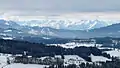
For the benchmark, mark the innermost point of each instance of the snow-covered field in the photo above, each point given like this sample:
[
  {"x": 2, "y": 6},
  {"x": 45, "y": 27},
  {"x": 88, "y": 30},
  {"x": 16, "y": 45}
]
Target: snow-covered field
[
  {"x": 72, "y": 59},
  {"x": 7, "y": 30},
  {"x": 99, "y": 58},
  {"x": 18, "y": 65},
  {"x": 115, "y": 53},
  {"x": 73, "y": 45},
  {"x": 105, "y": 48},
  {"x": 3, "y": 63},
  {"x": 7, "y": 38},
  {"x": 3, "y": 59}
]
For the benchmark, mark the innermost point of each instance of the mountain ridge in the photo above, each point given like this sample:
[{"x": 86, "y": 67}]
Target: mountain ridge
[
  {"x": 16, "y": 31},
  {"x": 68, "y": 24}
]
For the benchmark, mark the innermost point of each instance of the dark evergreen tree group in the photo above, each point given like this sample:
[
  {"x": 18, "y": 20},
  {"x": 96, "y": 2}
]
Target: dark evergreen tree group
[
  {"x": 40, "y": 49},
  {"x": 108, "y": 64}
]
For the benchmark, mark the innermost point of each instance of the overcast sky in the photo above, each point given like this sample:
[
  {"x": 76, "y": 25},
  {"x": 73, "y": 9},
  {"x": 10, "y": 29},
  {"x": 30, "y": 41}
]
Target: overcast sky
[{"x": 58, "y": 7}]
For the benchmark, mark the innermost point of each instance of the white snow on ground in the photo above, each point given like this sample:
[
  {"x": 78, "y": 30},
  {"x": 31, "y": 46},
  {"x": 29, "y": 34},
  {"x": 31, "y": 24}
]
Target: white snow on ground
[
  {"x": 45, "y": 38},
  {"x": 20, "y": 32},
  {"x": 105, "y": 48},
  {"x": 18, "y": 65},
  {"x": 73, "y": 45},
  {"x": 7, "y": 38},
  {"x": 42, "y": 58},
  {"x": 99, "y": 58},
  {"x": 72, "y": 59},
  {"x": 3, "y": 34},
  {"x": 7, "y": 23},
  {"x": 3, "y": 63},
  {"x": 34, "y": 32},
  {"x": 115, "y": 53},
  {"x": 7, "y": 30},
  {"x": 92, "y": 25},
  {"x": 3, "y": 59}
]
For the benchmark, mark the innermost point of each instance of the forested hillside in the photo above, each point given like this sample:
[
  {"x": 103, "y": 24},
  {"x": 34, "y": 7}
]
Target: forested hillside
[{"x": 38, "y": 50}]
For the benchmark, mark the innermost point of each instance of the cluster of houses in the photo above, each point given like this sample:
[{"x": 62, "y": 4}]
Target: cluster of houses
[{"x": 34, "y": 60}]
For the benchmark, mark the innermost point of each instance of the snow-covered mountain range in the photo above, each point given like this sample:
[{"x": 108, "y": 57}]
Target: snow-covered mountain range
[
  {"x": 68, "y": 24},
  {"x": 28, "y": 30}
]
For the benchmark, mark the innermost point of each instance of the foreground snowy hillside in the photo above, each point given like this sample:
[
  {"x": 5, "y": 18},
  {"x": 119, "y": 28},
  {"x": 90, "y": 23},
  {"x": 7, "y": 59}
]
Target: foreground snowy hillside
[
  {"x": 24, "y": 66},
  {"x": 3, "y": 60},
  {"x": 3, "y": 63},
  {"x": 69, "y": 59}
]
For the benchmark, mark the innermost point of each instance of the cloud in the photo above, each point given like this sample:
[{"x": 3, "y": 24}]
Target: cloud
[
  {"x": 60, "y": 8},
  {"x": 61, "y": 5},
  {"x": 66, "y": 16}
]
